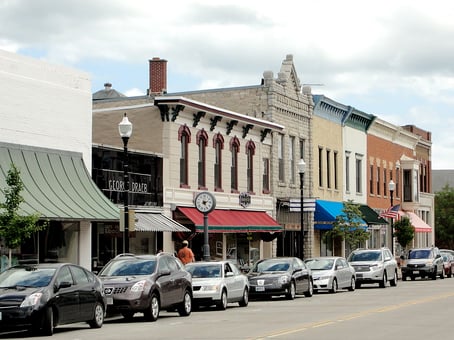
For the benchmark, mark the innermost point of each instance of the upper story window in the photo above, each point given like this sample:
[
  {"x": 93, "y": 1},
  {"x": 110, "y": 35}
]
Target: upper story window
[
  {"x": 202, "y": 141},
  {"x": 347, "y": 171},
  {"x": 266, "y": 176},
  {"x": 359, "y": 174},
  {"x": 250, "y": 152},
  {"x": 378, "y": 180},
  {"x": 328, "y": 168},
  {"x": 320, "y": 167},
  {"x": 218, "y": 144},
  {"x": 371, "y": 179},
  {"x": 234, "y": 149},
  {"x": 336, "y": 165},
  {"x": 385, "y": 183},
  {"x": 291, "y": 158},
  {"x": 280, "y": 155},
  {"x": 396, "y": 192},
  {"x": 184, "y": 136}
]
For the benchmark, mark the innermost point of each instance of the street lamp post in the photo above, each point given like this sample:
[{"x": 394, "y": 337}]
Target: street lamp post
[
  {"x": 125, "y": 130},
  {"x": 392, "y": 187},
  {"x": 301, "y": 170}
]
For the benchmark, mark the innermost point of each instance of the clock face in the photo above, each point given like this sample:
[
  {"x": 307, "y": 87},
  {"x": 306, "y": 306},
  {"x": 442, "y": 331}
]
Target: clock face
[{"x": 205, "y": 202}]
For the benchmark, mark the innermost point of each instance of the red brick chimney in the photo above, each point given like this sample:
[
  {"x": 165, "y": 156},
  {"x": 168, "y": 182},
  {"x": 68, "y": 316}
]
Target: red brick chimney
[{"x": 158, "y": 76}]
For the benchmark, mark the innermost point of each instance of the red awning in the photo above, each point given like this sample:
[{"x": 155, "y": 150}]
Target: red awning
[
  {"x": 417, "y": 222},
  {"x": 233, "y": 221}
]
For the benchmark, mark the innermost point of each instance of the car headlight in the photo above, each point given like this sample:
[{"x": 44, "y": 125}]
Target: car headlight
[
  {"x": 326, "y": 277},
  {"x": 429, "y": 263},
  {"x": 376, "y": 267},
  {"x": 284, "y": 279},
  {"x": 32, "y": 300},
  {"x": 209, "y": 288},
  {"x": 138, "y": 286}
]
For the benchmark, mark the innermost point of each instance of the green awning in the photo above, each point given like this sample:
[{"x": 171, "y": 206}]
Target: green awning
[
  {"x": 57, "y": 184},
  {"x": 370, "y": 216}
]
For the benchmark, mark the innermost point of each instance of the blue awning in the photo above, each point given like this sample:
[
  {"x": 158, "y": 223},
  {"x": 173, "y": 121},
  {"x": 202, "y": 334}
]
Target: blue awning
[{"x": 326, "y": 213}]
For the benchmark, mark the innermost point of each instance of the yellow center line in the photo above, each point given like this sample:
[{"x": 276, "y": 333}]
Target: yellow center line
[{"x": 349, "y": 317}]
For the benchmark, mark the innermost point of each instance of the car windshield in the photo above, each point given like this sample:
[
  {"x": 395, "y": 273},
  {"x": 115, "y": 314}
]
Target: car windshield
[
  {"x": 365, "y": 256},
  {"x": 26, "y": 277},
  {"x": 320, "y": 264},
  {"x": 127, "y": 267},
  {"x": 204, "y": 271},
  {"x": 271, "y": 266},
  {"x": 419, "y": 254}
]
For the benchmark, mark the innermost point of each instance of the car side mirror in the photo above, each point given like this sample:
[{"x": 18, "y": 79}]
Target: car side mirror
[
  {"x": 164, "y": 272},
  {"x": 229, "y": 274},
  {"x": 64, "y": 284}
]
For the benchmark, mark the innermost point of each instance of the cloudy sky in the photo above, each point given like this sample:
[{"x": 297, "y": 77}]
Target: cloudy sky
[{"x": 390, "y": 58}]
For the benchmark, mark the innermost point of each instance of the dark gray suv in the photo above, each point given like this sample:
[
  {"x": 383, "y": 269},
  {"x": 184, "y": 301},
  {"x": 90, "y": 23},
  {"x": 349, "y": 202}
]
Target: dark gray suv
[
  {"x": 423, "y": 262},
  {"x": 146, "y": 284}
]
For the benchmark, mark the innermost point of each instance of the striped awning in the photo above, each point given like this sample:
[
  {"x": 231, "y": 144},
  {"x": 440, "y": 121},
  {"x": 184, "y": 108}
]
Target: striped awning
[{"x": 157, "y": 222}]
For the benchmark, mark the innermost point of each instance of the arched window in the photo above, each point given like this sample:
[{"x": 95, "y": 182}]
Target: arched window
[
  {"x": 184, "y": 136},
  {"x": 234, "y": 149},
  {"x": 218, "y": 144},
  {"x": 250, "y": 151},
  {"x": 202, "y": 141}
]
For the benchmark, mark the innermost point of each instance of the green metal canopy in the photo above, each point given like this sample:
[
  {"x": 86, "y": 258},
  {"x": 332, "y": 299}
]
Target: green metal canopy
[
  {"x": 370, "y": 216},
  {"x": 57, "y": 184}
]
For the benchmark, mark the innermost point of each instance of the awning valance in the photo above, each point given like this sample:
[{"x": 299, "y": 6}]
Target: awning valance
[
  {"x": 157, "y": 222},
  {"x": 326, "y": 213},
  {"x": 232, "y": 221},
  {"x": 416, "y": 221},
  {"x": 57, "y": 184}
]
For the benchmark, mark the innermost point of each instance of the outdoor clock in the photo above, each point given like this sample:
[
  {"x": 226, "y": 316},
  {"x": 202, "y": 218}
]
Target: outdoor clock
[{"x": 205, "y": 202}]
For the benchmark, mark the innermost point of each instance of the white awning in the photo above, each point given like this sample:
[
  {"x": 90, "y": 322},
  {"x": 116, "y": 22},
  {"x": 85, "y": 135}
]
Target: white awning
[{"x": 157, "y": 222}]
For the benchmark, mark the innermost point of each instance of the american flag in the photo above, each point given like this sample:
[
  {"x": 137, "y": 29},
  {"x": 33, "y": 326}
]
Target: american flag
[{"x": 391, "y": 212}]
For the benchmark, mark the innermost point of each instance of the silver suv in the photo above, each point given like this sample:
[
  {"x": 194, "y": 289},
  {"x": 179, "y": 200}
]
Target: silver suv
[
  {"x": 374, "y": 266},
  {"x": 422, "y": 262}
]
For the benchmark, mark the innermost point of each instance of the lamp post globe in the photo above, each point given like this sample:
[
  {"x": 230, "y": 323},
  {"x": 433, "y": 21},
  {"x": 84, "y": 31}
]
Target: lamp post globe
[{"x": 125, "y": 130}]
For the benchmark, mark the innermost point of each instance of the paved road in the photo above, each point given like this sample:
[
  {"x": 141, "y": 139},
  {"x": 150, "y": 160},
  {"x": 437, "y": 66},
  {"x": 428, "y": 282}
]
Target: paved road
[{"x": 420, "y": 309}]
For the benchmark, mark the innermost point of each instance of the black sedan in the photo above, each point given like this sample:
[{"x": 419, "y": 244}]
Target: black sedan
[
  {"x": 42, "y": 296},
  {"x": 287, "y": 276}
]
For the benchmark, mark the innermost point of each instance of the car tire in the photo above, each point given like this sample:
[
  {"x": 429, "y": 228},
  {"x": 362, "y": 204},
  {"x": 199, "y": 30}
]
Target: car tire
[
  {"x": 404, "y": 277},
  {"x": 245, "y": 299},
  {"x": 352, "y": 284},
  {"x": 152, "y": 313},
  {"x": 222, "y": 304},
  {"x": 292, "y": 293},
  {"x": 442, "y": 275},
  {"x": 185, "y": 307},
  {"x": 393, "y": 282},
  {"x": 310, "y": 290},
  {"x": 357, "y": 284},
  {"x": 48, "y": 322},
  {"x": 434, "y": 275},
  {"x": 450, "y": 273},
  {"x": 98, "y": 316},
  {"x": 334, "y": 287},
  {"x": 384, "y": 280}
]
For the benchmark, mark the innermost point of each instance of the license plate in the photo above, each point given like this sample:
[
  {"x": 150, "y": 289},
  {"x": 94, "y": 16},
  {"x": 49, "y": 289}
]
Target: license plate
[
  {"x": 110, "y": 301},
  {"x": 415, "y": 271},
  {"x": 259, "y": 289},
  {"x": 359, "y": 275}
]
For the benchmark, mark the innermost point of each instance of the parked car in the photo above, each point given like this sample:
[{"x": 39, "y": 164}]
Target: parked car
[
  {"x": 374, "y": 266},
  {"x": 146, "y": 284},
  {"x": 331, "y": 273},
  {"x": 287, "y": 276},
  {"x": 423, "y": 262},
  {"x": 42, "y": 296},
  {"x": 448, "y": 264},
  {"x": 218, "y": 283}
]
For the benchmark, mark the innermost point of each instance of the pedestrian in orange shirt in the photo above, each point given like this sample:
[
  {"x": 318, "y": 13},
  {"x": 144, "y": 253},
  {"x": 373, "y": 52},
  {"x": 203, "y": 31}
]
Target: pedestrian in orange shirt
[{"x": 185, "y": 254}]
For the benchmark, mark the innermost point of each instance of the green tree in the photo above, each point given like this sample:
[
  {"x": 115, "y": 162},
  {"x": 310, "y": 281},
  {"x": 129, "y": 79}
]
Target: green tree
[
  {"x": 14, "y": 228},
  {"x": 444, "y": 218},
  {"x": 404, "y": 231},
  {"x": 349, "y": 226}
]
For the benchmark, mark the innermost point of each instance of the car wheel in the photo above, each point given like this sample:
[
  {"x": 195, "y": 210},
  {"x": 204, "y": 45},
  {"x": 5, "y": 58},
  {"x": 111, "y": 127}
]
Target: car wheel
[
  {"x": 357, "y": 284},
  {"x": 404, "y": 277},
  {"x": 383, "y": 281},
  {"x": 185, "y": 307},
  {"x": 152, "y": 313},
  {"x": 352, "y": 284},
  {"x": 222, "y": 304},
  {"x": 434, "y": 275},
  {"x": 292, "y": 293},
  {"x": 393, "y": 282},
  {"x": 333, "y": 287},
  {"x": 245, "y": 299},
  {"x": 98, "y": 316},
  {"x": 442, "y": 275},
  {"x": 412, "y": 278},
  {"x": 450, "y": 273},
  {"x": 310, "y": 290},
  {"x": 48, "y": 322}
]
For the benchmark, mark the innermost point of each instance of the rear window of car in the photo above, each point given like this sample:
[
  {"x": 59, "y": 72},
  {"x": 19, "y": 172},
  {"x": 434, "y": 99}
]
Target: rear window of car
[{"x": 128, "y": 267}]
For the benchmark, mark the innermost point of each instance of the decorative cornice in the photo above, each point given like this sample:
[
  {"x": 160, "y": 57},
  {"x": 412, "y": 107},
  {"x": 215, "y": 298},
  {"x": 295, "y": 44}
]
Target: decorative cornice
[
  {"x": 197, "y": 116},
  {"x": 246, "y": 129},
  {"x": 264, "y": 133},
  {"x": 230, "y": 126},
  {"x": 214, "y": 121},
  {"x": 176, "y": 110}
]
